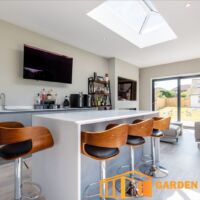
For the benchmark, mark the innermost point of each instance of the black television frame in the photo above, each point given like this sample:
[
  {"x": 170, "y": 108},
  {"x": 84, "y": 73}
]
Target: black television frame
[{"x": 69, "y": 81}]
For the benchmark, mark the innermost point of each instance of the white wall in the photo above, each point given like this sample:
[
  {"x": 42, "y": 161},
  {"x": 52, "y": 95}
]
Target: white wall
[
  {"x": 123, "y": 69},
  {"x": 21, "y": 92}
]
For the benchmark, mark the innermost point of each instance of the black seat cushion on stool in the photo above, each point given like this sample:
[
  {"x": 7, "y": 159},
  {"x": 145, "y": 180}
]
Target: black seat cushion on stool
[
  {"x": 15, "y": 150},
  {"x": 101, "y": 152},
  {"x": 135, "y": 140},
  {"x": 157, "y": 133}
]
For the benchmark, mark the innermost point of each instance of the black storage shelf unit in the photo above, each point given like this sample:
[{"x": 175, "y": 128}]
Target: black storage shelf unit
[{"x": 100, "y": 94}]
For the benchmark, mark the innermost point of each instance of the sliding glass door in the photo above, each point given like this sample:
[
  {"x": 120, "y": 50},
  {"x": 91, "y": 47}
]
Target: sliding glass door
[
  {"x": 190, "y": 100},
  {"x": 165, "y": 97},
  {"x": 177, "y": 97}
]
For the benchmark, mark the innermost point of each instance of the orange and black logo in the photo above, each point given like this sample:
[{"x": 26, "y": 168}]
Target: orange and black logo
[
  {"x": 134, "y": 183},
  {"x": 127, "y": 184}
]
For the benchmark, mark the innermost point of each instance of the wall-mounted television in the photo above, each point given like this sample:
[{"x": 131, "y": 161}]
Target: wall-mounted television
[
  {"x": 46, "y": 66},
  {"x": 127, "y": 89}
]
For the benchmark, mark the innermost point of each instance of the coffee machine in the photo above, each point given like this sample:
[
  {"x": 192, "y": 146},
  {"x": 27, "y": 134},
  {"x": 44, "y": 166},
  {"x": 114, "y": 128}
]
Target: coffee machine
[{"x": 76, "y": 100}]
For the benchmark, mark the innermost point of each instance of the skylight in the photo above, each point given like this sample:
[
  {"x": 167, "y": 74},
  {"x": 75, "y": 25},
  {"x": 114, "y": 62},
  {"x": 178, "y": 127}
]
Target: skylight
[{"x": 137, "y": 21}]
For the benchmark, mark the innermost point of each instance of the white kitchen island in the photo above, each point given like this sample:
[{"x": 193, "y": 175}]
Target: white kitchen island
[{"x": 62, "y": 171}]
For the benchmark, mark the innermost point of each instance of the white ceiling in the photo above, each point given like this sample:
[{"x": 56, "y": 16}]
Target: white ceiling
[{"x": 67, "y": 21}]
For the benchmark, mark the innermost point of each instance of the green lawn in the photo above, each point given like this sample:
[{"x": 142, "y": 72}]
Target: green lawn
[{"x": 187, "y": 114}]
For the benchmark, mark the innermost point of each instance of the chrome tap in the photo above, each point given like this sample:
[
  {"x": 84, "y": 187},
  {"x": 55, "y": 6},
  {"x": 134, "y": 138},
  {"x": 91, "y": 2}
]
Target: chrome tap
[{"x": 3, "y": 100}]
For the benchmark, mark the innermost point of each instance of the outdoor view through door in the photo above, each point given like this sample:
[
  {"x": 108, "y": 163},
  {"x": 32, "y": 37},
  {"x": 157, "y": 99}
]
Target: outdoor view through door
[{"x": 177, "y": 97}]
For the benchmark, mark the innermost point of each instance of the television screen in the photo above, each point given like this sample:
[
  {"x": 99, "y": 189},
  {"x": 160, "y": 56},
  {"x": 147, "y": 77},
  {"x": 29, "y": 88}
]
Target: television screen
[
  {"x": 127, "y": 89},
  {"x": 46, "y": 66}
]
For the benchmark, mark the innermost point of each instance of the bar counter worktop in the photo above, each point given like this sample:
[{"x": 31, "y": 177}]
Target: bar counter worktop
[
  {"x": 32, "y": 110},
  {"x": 62, "y": 171},
  {"x": 89, "y": 117}
]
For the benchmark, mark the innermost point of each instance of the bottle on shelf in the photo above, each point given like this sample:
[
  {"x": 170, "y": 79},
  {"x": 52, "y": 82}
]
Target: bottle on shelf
[
  {"x": 107, "y": 101},
  {"x": 90, "y": 87},
  {"x": 93, "y": 101},
  {"x": 43, "y": 95},
  {"x": 106, "y": 78},
  {"x": 38, "y": 99},
  {"x": 95, "y": 76}
]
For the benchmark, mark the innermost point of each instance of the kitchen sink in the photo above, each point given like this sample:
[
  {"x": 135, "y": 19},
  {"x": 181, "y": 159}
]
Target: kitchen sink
[
  {"x": 15, "y": 110},
  {"x": 5, "y": 111}
]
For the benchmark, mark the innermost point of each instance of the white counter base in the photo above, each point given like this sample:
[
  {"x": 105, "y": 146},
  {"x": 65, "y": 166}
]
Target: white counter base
[{"x": 58, "y": 170}]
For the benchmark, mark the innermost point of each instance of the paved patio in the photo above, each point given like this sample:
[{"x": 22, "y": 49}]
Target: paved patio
[{"x": 188, "y": 115}]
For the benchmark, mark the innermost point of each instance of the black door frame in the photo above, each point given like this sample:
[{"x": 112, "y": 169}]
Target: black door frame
[{"x": 178, "y": 78}]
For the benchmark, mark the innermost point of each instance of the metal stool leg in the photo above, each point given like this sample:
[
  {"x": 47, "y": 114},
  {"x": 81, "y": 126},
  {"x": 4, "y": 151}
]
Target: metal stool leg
[
  {"x": 19, "y": 193},
  {"x": 36, "y": 190},
  {"x": 132, "y": 189},
  {"x": 146, "y": 157},
  {"x": 153, "y": 146},
  {"x": 103, "y": 176},
  {"x": 132, "y": 159},
  {"x": 154, "y": 170},
  {"x": 18, "y": 178}
]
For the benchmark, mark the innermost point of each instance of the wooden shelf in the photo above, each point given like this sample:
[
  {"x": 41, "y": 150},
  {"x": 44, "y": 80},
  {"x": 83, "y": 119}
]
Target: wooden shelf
[
  {"x": 102, "y": 106},
  {"x": 101, "y": 94},
  {"x": 101, "y": 82}
]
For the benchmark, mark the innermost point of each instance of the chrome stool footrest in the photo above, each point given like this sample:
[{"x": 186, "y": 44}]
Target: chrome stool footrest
[
  {"x": 154, "y": 171},
  {"x": 86, "y": 191},
  {"x": 147, "y": 158},
  {"x": 31, "y": 190},
  {"x": 103, "y": 176}
]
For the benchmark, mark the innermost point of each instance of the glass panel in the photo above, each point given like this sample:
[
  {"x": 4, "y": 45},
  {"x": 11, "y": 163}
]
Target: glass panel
[
  {"x": 134, "y": 20},
  {"x": 165, "y": 98},
  {"x": 190, "y": 100}
]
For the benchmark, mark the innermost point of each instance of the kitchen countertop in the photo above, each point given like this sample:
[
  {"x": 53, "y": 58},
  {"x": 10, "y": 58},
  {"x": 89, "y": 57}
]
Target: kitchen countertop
[
  {"x": 89, "y": 117},
  {"x": 31, "y": 110}
]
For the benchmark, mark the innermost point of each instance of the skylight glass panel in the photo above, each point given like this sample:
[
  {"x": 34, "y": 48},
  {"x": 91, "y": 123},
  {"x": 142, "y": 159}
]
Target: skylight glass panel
[{"x": 139, "y": 21}]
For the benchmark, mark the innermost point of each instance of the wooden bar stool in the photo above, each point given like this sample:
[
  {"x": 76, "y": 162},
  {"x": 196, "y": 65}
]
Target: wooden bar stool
[
  {"x": 155, "y": 170},
  {"x": 103, "y": 146},
  {"x": 137, "y": 130},
  {"x": 18, "y": 142}
]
